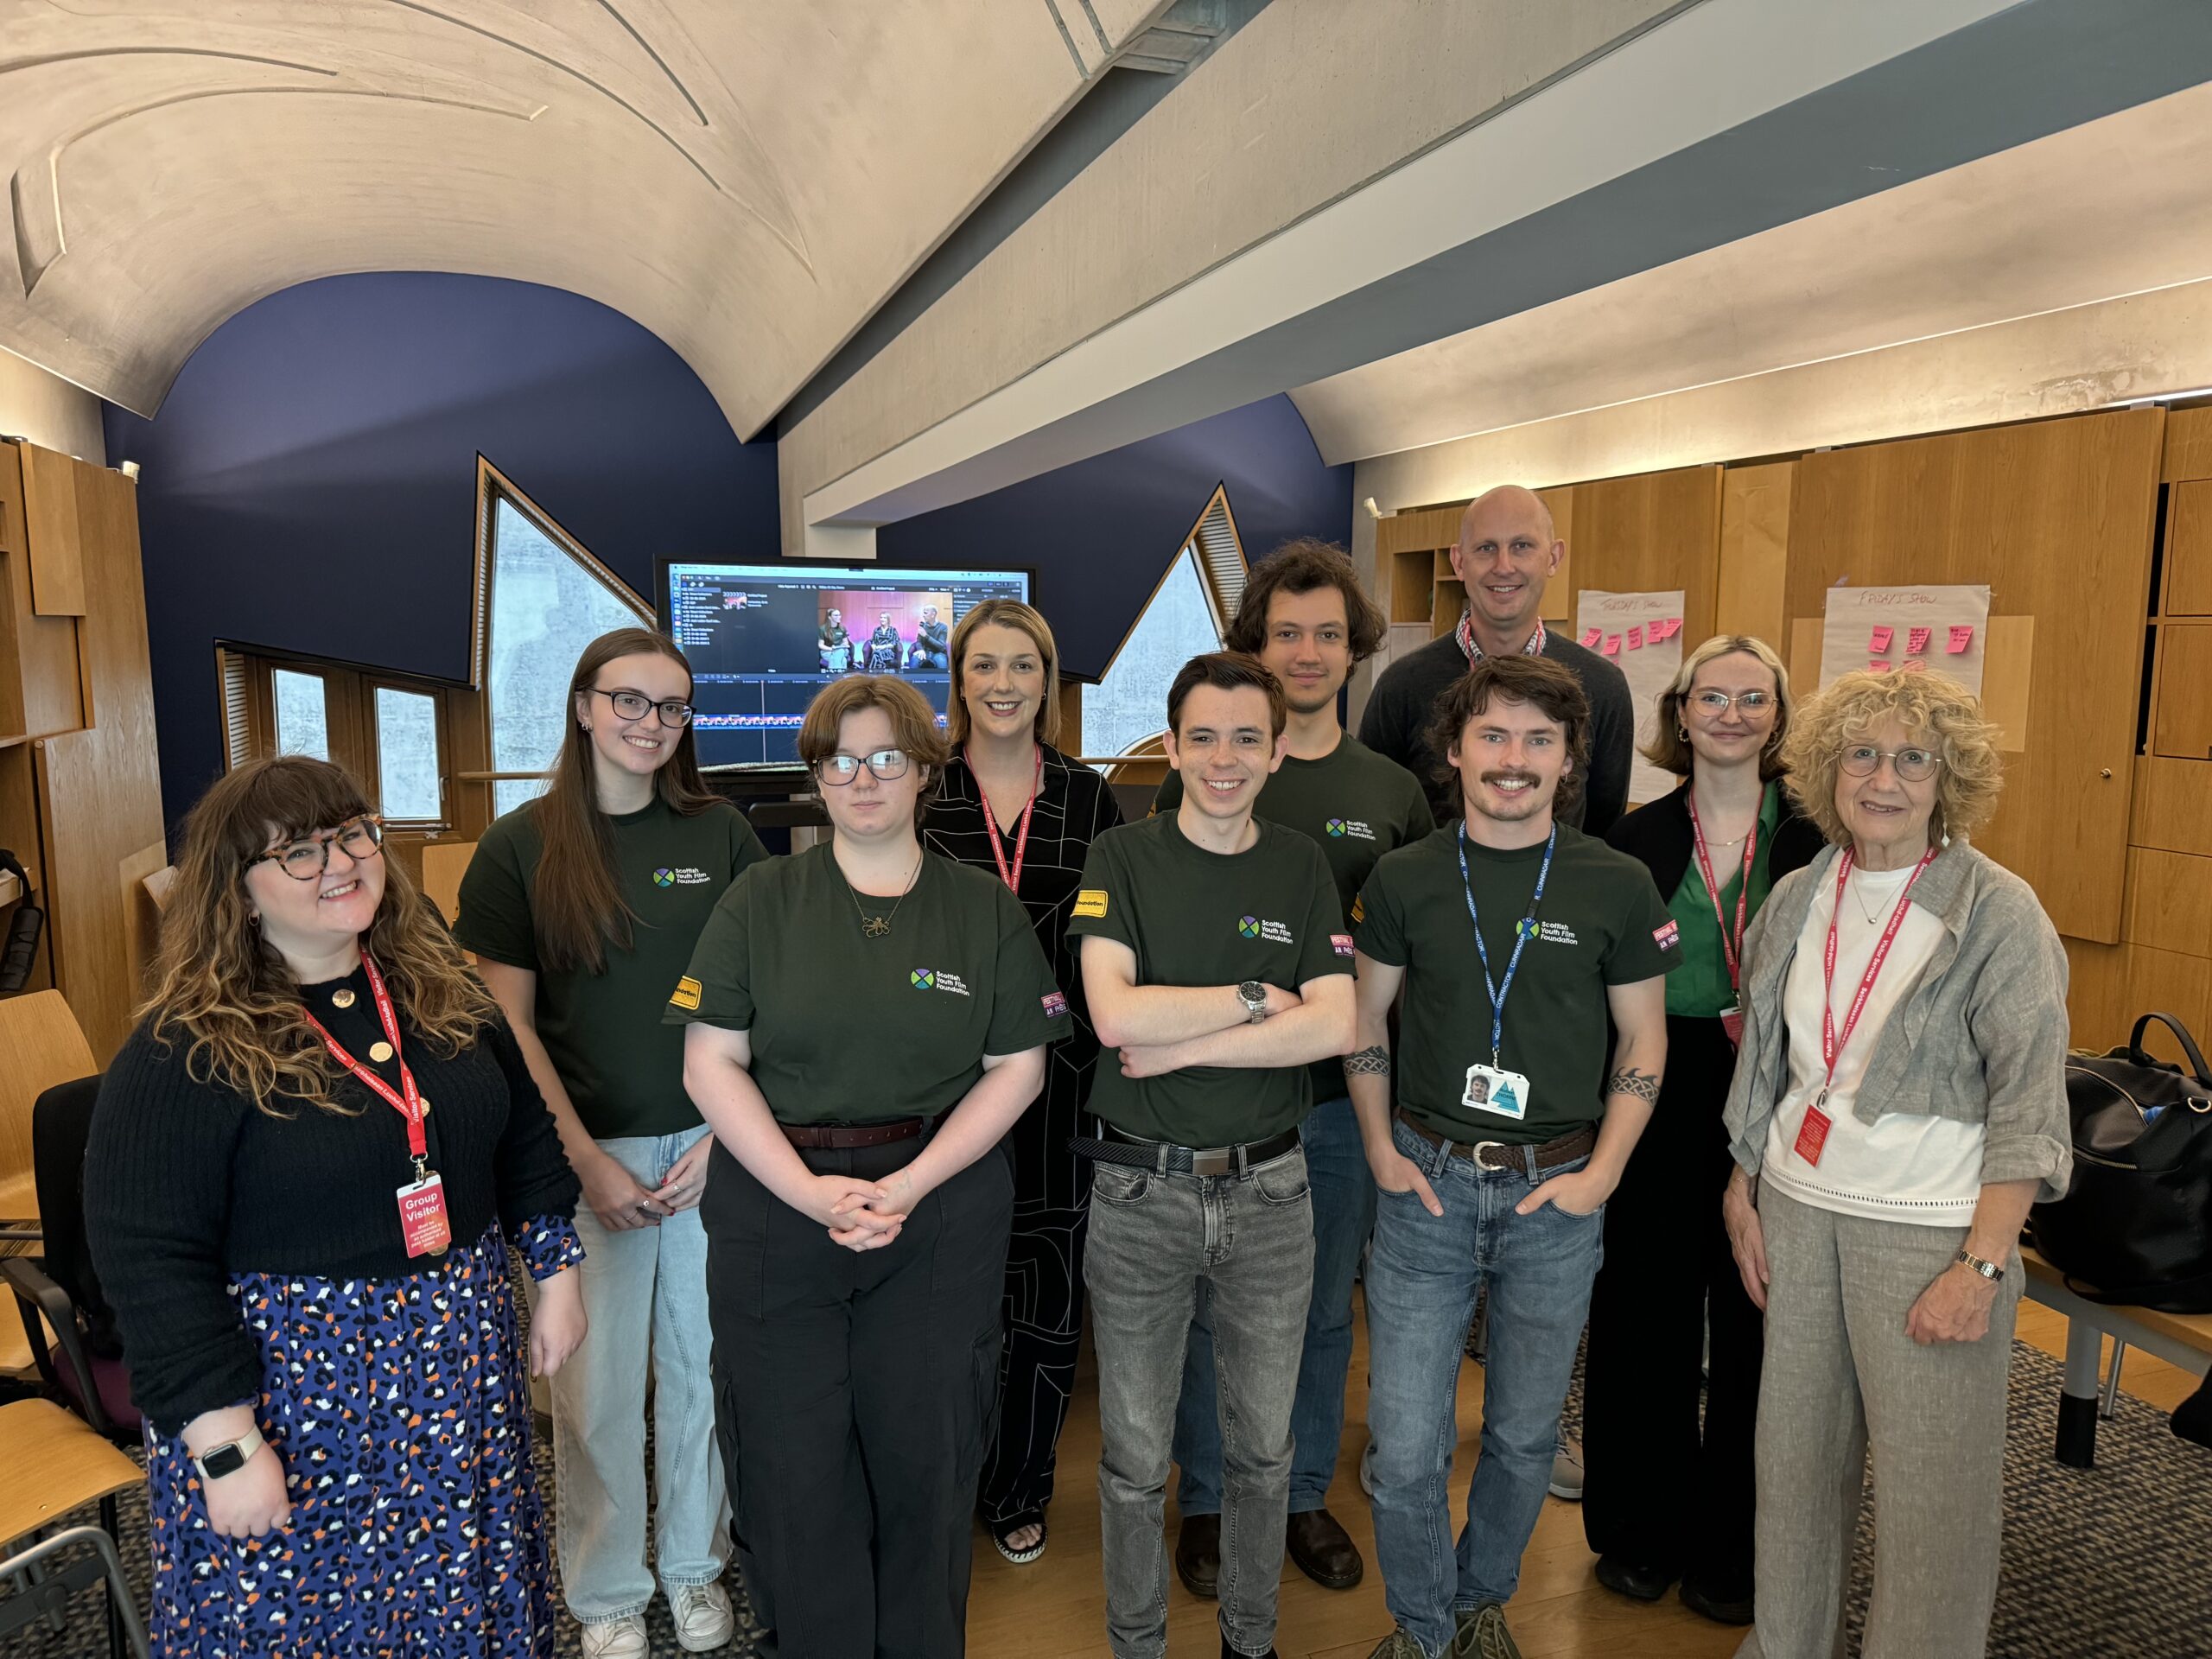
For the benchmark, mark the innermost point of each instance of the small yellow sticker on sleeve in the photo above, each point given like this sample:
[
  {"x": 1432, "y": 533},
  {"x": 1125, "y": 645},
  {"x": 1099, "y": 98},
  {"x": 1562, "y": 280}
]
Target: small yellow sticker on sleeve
[
  {"x": 686, "y": 995},
  {"x": 1090, "y": 901},
  {"x": 1358, "y": 908}
]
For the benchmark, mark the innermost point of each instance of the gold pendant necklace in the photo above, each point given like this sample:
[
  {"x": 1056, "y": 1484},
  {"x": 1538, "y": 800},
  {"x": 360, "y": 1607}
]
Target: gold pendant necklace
[{"x": 879, "y": 927}]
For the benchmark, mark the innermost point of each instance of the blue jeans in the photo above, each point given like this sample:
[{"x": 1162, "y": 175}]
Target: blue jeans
[
  {"x": 645, "y": 1293},
  {"x": 1343, "y": 1211},
  {"x": 1423, "y": 1279}
]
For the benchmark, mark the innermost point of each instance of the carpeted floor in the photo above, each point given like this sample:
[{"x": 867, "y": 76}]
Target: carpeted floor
[{"x": 2114, "y": 1561}]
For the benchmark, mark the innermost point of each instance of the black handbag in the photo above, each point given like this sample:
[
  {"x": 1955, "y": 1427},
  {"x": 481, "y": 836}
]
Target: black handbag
[{"x": 2135, "y": 1225}]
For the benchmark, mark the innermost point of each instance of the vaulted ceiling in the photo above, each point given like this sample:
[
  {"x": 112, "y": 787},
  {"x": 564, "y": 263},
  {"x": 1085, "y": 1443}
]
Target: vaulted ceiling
[{"x": 748, "y": 180}]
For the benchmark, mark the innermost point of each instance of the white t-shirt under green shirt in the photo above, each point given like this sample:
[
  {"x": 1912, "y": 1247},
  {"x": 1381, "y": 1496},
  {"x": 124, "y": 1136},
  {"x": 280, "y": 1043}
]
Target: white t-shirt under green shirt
[{"x": 1905, "y": 1165}]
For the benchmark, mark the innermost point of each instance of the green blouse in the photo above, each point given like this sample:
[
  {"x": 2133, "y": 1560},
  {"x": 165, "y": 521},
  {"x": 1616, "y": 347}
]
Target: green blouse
[{"x": 1699, "y": 988}]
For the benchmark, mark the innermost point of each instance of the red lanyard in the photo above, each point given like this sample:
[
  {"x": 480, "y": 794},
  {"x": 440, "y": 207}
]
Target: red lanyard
[
  {"x": 1730, "y": 949},
  {"x": 1011, "y": 877},
  {"x": 1831, "y": 1044},
  {"x": 1466, "y": 634},
  {"x": 410, "y": 1106}
]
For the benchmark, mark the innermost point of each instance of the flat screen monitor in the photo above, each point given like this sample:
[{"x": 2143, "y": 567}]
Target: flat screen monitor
[{"x": 763, "y": 639}]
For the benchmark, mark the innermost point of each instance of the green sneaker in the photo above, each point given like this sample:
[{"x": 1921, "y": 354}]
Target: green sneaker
[
  {"x": 1398, "y": 1645},
  {"x": 1482, "y": 1635}
]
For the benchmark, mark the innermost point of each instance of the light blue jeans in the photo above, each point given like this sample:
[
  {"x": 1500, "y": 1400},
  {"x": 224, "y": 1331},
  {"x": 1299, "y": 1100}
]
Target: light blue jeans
[
  {"x": 645, "y": 1291},
  {"x": 1423, "y": 1279},
  {"x": 1343, "y": 1211}
]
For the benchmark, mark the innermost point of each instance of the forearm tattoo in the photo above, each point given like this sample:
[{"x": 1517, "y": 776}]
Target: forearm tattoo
[
  {"x": 1376, "y": 1058},
  {"x": 1633, "y": 1080}
]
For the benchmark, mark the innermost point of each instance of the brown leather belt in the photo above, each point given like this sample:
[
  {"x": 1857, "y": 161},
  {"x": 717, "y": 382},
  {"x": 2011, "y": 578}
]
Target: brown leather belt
[
  {"x": 848, "y": 1137},
  {"x": 1496, "y": 1154}
]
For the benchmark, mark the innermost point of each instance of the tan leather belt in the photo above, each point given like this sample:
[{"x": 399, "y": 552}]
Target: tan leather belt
[
  {"x": 1497, "y": 1154},
  {"x": 848, "y": 1137}
]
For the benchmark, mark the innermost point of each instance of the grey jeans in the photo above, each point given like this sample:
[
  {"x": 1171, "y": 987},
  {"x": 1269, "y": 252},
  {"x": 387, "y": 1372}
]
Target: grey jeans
[
  {"x": 1155, "y": 1240},
  {"x": 1840, "y": 1374}
]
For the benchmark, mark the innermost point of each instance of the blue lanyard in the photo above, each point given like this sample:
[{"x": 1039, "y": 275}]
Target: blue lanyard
[{"x": 1522, "y": 934}]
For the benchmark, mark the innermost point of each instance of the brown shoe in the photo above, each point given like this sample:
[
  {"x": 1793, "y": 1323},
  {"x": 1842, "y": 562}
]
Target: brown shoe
[
  {"x": 1324, "y": 1551},
  {"x": 1197, "y": 1555}
]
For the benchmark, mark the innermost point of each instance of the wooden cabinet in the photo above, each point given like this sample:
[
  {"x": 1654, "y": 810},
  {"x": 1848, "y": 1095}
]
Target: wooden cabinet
[
  {"x": 2189, "y": 550},
  {"x": 2181, "y": 723}
]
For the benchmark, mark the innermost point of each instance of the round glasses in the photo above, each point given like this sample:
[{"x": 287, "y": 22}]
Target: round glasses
[
  {"x": 838, "y": 770},
  {"x": 1715, "y": 705},
  {"x": 306, "y": 859},
  {"x": 634, "y": 705},
  {"x": 1913, "y": 765}
]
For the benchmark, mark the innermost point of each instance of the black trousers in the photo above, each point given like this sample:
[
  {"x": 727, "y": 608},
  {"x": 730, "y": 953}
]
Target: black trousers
[
  {"x": 853, "y": 1396},
  {"x": 1042, "y": 1309},
  {"x": 1661, "y": 1490}
]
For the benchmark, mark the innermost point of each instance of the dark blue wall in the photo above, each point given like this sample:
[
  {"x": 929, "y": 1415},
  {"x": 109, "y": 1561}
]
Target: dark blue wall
[
  {"x": 309, "y": 482},
  {"x": 1102, "y": 531}
]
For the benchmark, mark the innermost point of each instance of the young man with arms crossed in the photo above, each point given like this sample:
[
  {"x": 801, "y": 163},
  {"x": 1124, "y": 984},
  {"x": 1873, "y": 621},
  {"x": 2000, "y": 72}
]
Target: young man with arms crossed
[
  {"x": 1213, "y": 960},
  {"x": 1515, "y": 937},
  {"x": 1304, "y": 616}
]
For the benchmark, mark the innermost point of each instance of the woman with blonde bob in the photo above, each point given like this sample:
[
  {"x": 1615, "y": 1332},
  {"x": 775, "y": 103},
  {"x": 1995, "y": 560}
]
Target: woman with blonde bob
[
  {"x": 308, "y": 1262},
  {"x": 1015, "y": 808},
  {"x": 1669, "y": 1489},
  {"x": 867, "y": 1023},
  {"x": 1898, "y": 1104}
]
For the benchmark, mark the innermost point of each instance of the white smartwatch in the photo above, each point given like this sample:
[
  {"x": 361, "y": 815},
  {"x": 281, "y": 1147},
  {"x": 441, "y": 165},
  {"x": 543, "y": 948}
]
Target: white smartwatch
[{"x": 229, "y": 1458}]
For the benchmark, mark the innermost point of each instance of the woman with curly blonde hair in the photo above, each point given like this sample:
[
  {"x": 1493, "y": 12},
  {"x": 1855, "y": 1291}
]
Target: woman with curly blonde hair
[
  {"x": 1898, "y": 1102},
  {"x": 307, "y": 1261}
]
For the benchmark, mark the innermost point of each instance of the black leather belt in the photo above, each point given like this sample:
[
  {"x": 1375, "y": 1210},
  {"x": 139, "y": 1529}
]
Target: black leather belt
[
  {"x": 1498, "y": 1154},
  {"x": 848, "y": 1137},
  {"x": 1127, "y": 1149}
]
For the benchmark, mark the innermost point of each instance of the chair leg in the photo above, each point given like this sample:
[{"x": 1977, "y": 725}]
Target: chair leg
[{"x": 2108, "y": 1406}]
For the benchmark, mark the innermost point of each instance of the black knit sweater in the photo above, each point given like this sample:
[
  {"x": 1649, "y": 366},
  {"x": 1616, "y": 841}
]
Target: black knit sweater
[{"x": 188, "y": 1184}]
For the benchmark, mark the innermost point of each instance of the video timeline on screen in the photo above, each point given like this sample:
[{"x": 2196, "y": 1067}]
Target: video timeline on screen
[{"x": 763, "y": 639}]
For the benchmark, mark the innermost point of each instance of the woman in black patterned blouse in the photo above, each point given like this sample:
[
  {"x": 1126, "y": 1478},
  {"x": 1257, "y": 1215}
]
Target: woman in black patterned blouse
[{"x": 1014, "y": 805}]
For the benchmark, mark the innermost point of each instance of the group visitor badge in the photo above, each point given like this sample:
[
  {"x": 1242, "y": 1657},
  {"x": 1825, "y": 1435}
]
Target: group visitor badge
[{"x": 1491, "y": 1089}]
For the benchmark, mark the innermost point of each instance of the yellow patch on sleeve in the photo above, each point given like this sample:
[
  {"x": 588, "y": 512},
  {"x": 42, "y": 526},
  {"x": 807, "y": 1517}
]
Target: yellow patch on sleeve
[
  {"x": 686, "y": 995},
  {"x": 1358, "y": 908},
  {"x": 1090, "y": 901}
]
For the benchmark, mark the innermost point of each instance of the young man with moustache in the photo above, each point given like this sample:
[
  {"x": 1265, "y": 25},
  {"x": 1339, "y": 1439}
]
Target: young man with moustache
[
  {"x": 1506, "y": 552},
  {"x": 1214, "y": 961},
  {"x": 1304, "y": 614},
  {"x": 1517, "y": 939}
]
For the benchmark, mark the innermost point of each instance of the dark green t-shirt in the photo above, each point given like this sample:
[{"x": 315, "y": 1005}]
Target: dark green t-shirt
[
  {"x": 847, "y": 1029},
  {"x": 1356, "y": 805},
  {"x": 624, "y": 1072},
  {"x": 1602, "y": 923},
  {"x": 1195, "y": 917}
]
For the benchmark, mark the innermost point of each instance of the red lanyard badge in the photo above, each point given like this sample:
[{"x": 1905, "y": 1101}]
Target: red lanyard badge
[
  {"x": 1012, "y": 877},
  {"x": 421, "y": 1203},
  {"x": 1813, "y": 1134},
  {"x": 1732, "y": 945}
]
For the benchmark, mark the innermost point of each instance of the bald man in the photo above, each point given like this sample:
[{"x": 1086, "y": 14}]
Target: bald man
[{"x": 1506, "y": 552}]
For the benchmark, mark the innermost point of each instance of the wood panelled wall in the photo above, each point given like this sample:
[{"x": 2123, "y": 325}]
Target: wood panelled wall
[
  {"x": 80, "y": 782},
  {"x": 2112, "y": 825}
]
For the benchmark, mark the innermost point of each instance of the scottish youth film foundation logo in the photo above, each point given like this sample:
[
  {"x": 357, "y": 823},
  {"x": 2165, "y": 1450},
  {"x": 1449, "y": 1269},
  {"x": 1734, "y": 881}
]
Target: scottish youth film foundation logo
[
  {"x": 937, "y": 979},
  {"x": 1357, "y": 828},
  {"x": 1252, "y": 927}
]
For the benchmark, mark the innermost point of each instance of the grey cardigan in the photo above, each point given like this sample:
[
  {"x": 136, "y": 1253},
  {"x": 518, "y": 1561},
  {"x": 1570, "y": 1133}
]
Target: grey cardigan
[{"x": 1982, "y": 1040}]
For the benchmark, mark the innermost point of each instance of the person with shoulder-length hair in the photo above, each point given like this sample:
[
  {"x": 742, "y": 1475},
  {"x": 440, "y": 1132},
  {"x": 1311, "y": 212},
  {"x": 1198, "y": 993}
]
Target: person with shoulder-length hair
[
  {"x": 308, "y": 1262},
  {"x": 1015, "y": 806},
  {"x": 1898, "y": 1102},
  {"x": 867, "y": 1023},
  {"x": 583, "y": 907},
  {"x": 1669, "y": 1489}
]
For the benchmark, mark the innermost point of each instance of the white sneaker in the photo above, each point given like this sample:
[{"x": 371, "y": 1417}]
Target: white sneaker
[
  {"x": 1367, "y": 1469},
  {"x": 703, "y": 1617},
  {"x": 617, "y": 1638},
  {"x": 1566, "y": 1470}
]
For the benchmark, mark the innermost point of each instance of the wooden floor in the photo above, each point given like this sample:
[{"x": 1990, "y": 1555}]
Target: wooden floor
[{"x": 1056, "y": 1605}]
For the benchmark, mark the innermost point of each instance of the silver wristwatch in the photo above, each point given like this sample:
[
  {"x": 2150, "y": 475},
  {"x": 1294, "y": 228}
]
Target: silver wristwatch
[
  {"x": 1988, "y": 1270},
  {"x": 1254, "y": 996}
]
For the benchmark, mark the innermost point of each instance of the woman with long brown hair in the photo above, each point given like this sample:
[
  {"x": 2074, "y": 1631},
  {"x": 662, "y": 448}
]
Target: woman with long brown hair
[
  {"x": 583, "y": 907},
  {"x": 313, "y": 1296}
]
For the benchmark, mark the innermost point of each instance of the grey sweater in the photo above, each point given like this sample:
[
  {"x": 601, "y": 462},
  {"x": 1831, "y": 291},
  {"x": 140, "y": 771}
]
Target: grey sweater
[{"x": 1982, "y": 1039}]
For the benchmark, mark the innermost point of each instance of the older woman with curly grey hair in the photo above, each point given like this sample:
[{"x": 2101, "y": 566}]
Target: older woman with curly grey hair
[{"x": 1898, "y": 1103}]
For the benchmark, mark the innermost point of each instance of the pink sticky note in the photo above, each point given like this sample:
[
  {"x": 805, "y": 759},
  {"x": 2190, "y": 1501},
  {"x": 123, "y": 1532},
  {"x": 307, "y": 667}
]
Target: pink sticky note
[
  {"x": 1591, "y": 638},
  {"x": 1916, "y": 641},
  {"x": 1961, "y": 637},
  {"x": 1674, "y": 626},
  {"x": 1636, "y": 637},
  {"x": 1877, "y": 666},
  {"x": 1612, "y": 644},
  {"x": 1911, "y": 667},
  {"x": 1880, "y": 639}
]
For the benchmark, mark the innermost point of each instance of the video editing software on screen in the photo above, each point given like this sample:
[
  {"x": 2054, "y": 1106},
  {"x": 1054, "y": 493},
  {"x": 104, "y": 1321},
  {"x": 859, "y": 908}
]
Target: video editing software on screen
[{"x": 764, "y": 638}]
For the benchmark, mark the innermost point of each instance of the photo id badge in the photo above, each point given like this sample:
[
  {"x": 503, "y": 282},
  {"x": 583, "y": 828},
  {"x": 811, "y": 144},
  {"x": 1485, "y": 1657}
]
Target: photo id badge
[
  {"x": 1490, "y": 1090},
  {"x": 423, "y": 1221}
]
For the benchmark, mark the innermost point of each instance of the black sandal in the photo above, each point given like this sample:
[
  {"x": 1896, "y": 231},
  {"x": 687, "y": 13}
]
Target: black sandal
[{"x": 1003, "y": 1531}]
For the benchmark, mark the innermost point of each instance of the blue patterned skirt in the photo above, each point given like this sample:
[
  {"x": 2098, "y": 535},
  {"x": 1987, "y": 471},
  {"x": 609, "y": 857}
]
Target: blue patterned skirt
[{"x": 401, "y": 1408}]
